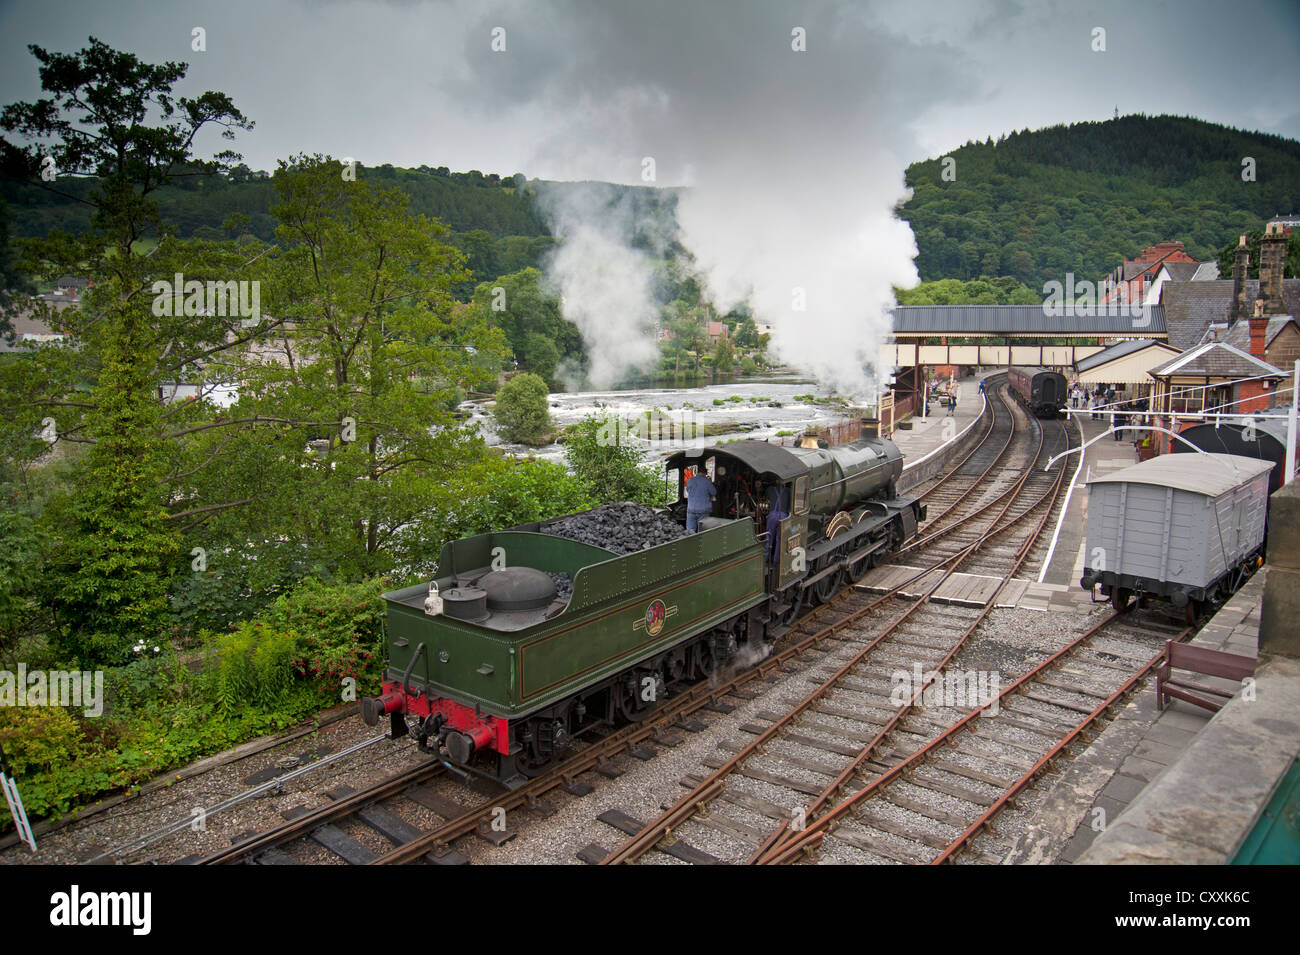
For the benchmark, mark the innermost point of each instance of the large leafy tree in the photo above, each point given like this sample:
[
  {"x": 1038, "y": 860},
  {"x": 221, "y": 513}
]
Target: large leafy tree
[
  {"x": 605, "y": 452},
  {"x": 521, "y": 411},
  {"x": 531, "y": 320},
  {"x": 348, "y": 409},
  {"x": 109, "y": 115}
]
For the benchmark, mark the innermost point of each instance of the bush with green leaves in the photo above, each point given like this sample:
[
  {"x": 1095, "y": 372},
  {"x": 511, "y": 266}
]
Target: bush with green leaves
[
  {"x": 521, "y": 410},
  {"x": 336, "y": 631},
  {"x": 601, "y": 451}
]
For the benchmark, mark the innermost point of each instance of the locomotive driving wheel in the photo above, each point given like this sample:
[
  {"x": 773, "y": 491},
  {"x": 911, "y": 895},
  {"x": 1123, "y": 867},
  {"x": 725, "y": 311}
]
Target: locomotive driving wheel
[
  {"x": 858, "y": 569},
  {"x": 826, "y": 588}
]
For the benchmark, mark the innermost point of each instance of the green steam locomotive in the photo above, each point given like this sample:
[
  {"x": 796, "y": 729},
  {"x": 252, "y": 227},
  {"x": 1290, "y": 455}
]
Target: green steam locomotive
[{"x": 527, "y": 640}]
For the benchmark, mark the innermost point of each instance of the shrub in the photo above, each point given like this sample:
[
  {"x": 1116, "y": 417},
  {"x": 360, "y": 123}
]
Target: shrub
[
  {"x": 336, "y": 632},
  {"x": 601, "y": 453},
  {"x": 521, "y": 411}
]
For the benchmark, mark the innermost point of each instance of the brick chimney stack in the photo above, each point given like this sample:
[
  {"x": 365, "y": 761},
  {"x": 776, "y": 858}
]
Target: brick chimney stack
[
  {"x": 1272, "y": 260},
  {"x": 1240, "y": 266},
  {"x": 1258, "y": 331}
]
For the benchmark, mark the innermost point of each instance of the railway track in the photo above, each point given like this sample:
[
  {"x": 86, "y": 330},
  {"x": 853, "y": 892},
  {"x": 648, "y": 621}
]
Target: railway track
[
  {"x": 373, "y": 827},
  {"x": 796, "y": 766},
  {"x": 936, "y": 803}
]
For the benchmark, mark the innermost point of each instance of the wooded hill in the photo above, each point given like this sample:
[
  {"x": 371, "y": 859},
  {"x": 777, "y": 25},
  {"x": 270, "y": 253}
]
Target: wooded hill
[
  {"x": 1031, "y": 206},
  {"x": 1082, "y": 198}
]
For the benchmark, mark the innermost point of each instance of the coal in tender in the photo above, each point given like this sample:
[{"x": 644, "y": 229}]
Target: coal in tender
[
  {"x": 622, "y": 528},
  {"x": 563, "y": 586}
]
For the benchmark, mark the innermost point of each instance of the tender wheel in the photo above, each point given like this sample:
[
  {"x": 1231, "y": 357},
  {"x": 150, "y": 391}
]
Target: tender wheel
[
  {"x": 544, "y": 744},
  {"x": 702, "y": 662},
  {"x": 632, "y": 704},
  {"x": 677, "y": 665}
]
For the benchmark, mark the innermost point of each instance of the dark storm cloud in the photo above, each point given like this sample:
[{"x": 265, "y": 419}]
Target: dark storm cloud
[{"x": 416, "y": 82}]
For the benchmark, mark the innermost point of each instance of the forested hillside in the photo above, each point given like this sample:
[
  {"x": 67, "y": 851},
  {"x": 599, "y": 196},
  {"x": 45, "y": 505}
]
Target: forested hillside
[
  {"x": 1031, "y": 206},
  {"x": 1081, "y": 198},
  {"x": 493, "y": 219}
]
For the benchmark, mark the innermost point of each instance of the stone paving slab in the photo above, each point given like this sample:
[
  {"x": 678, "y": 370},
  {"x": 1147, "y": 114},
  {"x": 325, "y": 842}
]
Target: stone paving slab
[{"x": 927, "y": 434}]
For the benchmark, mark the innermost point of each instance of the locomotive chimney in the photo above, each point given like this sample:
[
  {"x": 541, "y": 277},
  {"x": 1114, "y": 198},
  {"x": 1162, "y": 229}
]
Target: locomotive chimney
[
  {"x": 1272, "y": 259},
  {"x": 1240, "y": 266}
]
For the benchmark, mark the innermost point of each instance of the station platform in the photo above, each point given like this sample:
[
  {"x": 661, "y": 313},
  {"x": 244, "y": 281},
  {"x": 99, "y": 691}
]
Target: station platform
[{"x": 928, "y": 434}]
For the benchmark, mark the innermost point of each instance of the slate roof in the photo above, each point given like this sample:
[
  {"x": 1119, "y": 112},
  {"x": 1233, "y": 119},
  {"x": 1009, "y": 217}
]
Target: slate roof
[
  {"x": 1206, "y": 272},
  {"x": 1191, "y": 307},
  {"x": 1238, "y": 336},
  {"x": 1004, "y": 320},
  {"x": 1181, "y": 271},
  {"x": 1216, "y": 360},
  {"x": 1118, "y": 350}
]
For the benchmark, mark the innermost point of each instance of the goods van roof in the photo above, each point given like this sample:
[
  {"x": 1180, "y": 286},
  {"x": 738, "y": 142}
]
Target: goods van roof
[{"x": 1210, "y": 474}]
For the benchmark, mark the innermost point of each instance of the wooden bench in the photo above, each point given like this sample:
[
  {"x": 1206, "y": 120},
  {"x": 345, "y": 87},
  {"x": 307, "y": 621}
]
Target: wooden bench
[{"x": 1182, "y": 656}]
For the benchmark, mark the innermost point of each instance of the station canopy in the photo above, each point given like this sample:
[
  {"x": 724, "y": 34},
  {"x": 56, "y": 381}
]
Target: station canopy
[{"x": 1027, "y": 321}]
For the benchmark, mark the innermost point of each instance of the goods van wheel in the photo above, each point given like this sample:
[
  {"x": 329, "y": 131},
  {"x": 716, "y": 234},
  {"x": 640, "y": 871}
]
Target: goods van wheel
[{"x": 1119, "y": 598}]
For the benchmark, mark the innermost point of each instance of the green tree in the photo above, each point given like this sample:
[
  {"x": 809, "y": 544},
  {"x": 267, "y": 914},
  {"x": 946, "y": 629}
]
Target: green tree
[
  {"x": 539, "y": 356},
  {"x": 348, "y": 427},
  {"x": 747, "y": 334},
  {"x": 604, "y": 453},
  {"x": 521, "y": 411},
  {"x": 119, "y": 546},
  {"x": 724, "y": 355},
  {"x": 518, "y": 305}
]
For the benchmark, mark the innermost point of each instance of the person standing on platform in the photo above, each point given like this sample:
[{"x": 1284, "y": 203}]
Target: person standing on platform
[
  {"x": 952, "y": 399},
  {"x": 700, "y": 493}
]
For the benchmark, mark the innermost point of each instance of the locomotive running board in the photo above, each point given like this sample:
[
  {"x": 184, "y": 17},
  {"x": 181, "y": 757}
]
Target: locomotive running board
[{"x": 842, "y": 564}]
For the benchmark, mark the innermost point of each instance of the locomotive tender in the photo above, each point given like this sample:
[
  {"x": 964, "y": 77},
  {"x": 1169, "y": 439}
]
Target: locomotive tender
[
  {"x": 1041, "y": 390},
  {"x": 506, "y": 672}
]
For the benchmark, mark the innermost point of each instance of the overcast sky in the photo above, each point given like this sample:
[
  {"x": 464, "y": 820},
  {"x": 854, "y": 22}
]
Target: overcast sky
[{"x": 590, "y": 89}]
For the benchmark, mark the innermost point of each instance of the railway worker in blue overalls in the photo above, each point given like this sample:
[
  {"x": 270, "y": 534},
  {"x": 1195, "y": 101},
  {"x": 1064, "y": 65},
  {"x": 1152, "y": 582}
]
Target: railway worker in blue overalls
[
  {"x": 700, "y": 493},
  {"x": 981, "y": 386},
  {"x": 778, "y": 509}
]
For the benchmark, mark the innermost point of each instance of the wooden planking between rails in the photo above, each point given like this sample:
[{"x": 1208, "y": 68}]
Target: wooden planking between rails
[{"x": 965, "y": 590}]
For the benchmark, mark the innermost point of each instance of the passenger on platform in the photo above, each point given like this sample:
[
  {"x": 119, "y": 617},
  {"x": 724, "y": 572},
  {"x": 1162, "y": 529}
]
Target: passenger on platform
[
  {"x": 778, "y": 509},
  {"x": 981, "y": 386},
  {"x": 700, "y": 493},
  {"x": 952, "y": 400},
  {"x": 1117, "y": 421}
]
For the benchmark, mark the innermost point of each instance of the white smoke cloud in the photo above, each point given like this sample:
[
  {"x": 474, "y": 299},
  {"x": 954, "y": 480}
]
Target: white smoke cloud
[
  {"x": 603, "y": 282},
  {"x": 789, "y": 159},
  {"x": 818, "y": 264}
]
